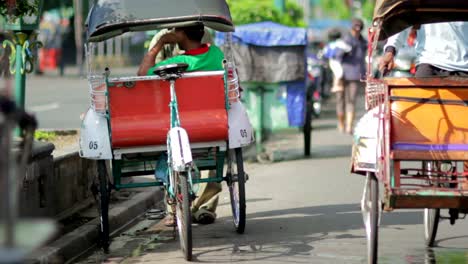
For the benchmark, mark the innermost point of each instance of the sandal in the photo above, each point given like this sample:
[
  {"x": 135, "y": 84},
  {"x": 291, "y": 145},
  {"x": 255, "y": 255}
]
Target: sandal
[
  {"x": 204, "y": 217},
  {"x": 169, "y": 220}
]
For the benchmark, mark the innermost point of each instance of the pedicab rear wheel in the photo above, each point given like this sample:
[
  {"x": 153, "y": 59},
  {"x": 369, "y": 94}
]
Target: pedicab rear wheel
[
  {"x": 102, "y": 196},
  {"x": 184, "y": 215},
  {"x": 431, "y": 224},
  {"x": 371, "y": 217},
  {"x": 236, "y": 182},
  {"x": 431, "y": 216}
]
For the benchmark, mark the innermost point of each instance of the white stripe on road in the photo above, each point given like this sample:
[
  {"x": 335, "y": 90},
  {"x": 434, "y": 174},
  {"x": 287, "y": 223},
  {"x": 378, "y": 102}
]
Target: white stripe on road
[{"x": 46, "y": 107}]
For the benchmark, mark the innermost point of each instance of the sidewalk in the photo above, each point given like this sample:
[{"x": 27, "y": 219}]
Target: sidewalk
[
  {"x": 125, "y": 207},
  {"x": 326, "y": 140}
]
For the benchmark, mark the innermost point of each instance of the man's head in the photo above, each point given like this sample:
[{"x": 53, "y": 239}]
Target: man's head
[
  {"x": 357, "y": 25},
  {"x": 192, "y": 33},
  {"x": 334, "y": 34}
]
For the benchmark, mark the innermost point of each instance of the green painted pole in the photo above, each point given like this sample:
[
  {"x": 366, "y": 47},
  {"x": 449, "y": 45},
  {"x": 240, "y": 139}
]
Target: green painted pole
[
  {"x": 259, "y": 132},
  {"x": 20, "y": 73},
  {"x": 20, "y": 80}
]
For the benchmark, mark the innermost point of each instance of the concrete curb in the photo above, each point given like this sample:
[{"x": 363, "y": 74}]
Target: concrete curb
[{"x": 76, "y": 242}]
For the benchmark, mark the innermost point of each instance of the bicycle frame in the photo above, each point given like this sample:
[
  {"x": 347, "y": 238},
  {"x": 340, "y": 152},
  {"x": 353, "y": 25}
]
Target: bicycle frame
[{"x": 178, "y": 145}]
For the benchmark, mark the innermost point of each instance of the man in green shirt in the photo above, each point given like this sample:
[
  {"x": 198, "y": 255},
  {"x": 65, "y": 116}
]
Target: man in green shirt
[
  {"x": 199, "y": 57},
  {"x": 171, "y": 50}
]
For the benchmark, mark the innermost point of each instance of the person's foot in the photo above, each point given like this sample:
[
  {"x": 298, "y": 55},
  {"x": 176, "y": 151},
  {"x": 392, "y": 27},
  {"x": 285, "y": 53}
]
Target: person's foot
[
  {"x": 204, "y": 217},
  {"x": 340, "y": 127},
  {"x": 169, "y": 220}
]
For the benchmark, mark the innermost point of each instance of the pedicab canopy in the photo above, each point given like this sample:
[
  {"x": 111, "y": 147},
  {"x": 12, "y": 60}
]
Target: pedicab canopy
[
  {"x": 109, "y": 18},
  {"x": 396, "y": 15}
]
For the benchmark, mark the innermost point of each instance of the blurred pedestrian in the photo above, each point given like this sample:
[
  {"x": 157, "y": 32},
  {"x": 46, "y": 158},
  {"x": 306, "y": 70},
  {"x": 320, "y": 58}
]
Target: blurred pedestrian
[
  {"x": 50, "y": 35},
  {"x": 354, "y": 70},
  {"x": 336, "y": 46},
  {"x": 67, "y": 47}
]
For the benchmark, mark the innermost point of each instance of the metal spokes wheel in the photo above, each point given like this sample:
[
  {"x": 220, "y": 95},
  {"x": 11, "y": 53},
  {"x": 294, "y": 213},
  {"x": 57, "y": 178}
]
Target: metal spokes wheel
[
  {"x": 184, "y": 214},
  {"x": 431, "y": 223},
  {"x": 236, "y": 183},
  {"x": 431, "y": 216},
  {"x": 101, "y": 190},
  {"x": 370, "y": 211}
]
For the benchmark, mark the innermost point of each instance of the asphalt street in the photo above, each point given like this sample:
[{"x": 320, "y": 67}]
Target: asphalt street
[
  {"x": 59, "y": 101},
  {"x": 299, "y": 211}
]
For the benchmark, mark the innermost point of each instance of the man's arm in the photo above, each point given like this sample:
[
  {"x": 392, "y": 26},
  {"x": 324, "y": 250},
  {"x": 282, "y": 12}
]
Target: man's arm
[
  {"x": 148, "y": 60},
  {"x": 393, "y": 43}
]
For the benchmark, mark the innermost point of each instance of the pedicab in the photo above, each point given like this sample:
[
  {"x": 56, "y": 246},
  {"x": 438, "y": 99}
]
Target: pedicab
[
  {"x": 413, "y": 140},
  {"x": 173, "y": 124}
]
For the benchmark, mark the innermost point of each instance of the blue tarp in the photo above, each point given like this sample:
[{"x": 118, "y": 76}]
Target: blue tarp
[
  {"x": 318, "y": 28},
  {"x": 266, "y": 34},
  {"x": 295, "y": 103},
  {"x": 325, "y": 24}
]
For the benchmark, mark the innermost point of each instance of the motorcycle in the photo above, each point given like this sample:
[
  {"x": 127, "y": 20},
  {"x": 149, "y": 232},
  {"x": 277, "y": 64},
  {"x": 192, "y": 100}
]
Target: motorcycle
[{"x": 318, "y": 81}]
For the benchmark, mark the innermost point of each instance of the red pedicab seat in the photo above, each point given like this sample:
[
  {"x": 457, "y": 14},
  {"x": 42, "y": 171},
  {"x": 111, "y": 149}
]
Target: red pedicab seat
[{"x": 140, "y": 114}]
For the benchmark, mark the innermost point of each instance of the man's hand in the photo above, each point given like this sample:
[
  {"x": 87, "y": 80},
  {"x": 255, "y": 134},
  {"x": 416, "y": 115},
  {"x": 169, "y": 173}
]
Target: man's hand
[
  {"x": 148, "y": 60},
  {"x": 169, "y": 38},
  {"x": 387, "y": 62}
]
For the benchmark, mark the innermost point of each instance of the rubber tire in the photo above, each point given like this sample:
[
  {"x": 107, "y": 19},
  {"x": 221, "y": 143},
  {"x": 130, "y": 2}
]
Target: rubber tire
[
  {"x": 103, "y": 205},
  {"x": 237, "y": 205},
  {"x": 184, "y": 215},
  {"x": 372, "y": 244},
  {"x": 431, "y": 224}
]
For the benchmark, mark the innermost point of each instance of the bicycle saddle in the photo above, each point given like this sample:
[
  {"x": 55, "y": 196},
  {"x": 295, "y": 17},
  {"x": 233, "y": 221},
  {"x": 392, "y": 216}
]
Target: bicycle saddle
[{"x": 171, "y": 69}]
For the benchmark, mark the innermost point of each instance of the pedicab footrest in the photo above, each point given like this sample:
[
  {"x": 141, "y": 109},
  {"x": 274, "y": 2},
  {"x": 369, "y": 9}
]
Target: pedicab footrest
[{"x": 405, "y": 199}]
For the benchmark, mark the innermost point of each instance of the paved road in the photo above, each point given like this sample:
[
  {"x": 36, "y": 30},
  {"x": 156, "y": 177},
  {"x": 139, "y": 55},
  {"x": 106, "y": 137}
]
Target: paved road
[{"x": 299, "y": 211}]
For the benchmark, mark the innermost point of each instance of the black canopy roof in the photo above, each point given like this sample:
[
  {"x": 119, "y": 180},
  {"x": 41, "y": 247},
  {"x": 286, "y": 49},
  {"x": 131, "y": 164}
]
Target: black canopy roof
[
  {"x": 396, "y": 15},
  {"x": 108, "y": 18}
]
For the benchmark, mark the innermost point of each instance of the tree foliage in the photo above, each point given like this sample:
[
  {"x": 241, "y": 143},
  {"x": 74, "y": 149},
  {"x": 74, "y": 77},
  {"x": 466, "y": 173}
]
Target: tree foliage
[
  {"x": 368, "y": 9},
  {"x": 52, "y": 4},
  {"x": 339, "y": 9},
  {"x": 13, "y": 9},
  {"x": 335, "y": 9},
  {"x": 251, "y": 11}
]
